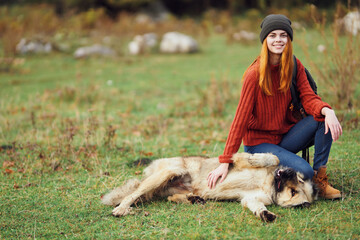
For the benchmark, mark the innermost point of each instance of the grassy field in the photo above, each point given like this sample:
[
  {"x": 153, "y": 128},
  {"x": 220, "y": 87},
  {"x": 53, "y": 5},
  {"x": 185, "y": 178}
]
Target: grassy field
[{"x": 70, "y": 131}]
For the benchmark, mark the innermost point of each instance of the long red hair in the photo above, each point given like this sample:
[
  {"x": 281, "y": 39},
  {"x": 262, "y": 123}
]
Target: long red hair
[{"x": 286, "y": 68}]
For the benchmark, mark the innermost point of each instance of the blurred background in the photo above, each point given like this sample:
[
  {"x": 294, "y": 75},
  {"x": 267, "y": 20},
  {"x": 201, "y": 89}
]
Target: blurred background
[
  {"x": 91, "y": 89},
  {"x": 61, "y": 22},
  {"x": 124, "y": 28}
]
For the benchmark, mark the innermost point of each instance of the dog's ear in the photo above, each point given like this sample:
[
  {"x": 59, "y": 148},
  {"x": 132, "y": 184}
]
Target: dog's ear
[{"x": 300, "y": 178}]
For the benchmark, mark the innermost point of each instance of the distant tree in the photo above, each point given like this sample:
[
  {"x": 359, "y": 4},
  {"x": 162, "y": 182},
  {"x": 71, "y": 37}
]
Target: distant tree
[
  {"x": 112, "y": 6},
  {"x": 179, "y": 7}
]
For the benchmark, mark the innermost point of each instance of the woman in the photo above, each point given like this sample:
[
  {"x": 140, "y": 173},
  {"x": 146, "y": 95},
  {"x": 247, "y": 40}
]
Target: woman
[{"x": 263, "y": 119}]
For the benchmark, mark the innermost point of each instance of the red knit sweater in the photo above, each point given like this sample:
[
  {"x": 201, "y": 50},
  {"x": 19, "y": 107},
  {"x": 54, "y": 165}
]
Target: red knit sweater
[{"x": 265, "y": 119}]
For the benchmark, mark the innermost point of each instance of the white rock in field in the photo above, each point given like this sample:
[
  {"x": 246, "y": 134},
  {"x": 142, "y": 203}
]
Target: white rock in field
[
  {"x": 244, "y": 35},
  {"x": 141, "y": 43},
  {"x": 151, "y": 39},
  {"x": 136, "y": 46},
  {"x": 96, "y": 49},
  {"x": 33, "y": 46},
  {"x": 352, "y": 22},
  {"x": 321, "y": 48},
  {"x": 174, "y": 42}
]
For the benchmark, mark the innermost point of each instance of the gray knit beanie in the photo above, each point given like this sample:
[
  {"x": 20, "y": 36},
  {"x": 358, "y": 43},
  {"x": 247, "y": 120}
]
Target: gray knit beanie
[{"x": 275, "y": 22}]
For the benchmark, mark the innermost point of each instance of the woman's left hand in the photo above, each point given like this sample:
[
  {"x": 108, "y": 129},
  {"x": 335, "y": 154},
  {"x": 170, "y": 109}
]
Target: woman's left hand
[{"x": 331, "y": 123}]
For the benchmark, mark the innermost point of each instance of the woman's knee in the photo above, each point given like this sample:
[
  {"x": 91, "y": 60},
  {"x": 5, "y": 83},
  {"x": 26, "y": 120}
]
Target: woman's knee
[
  {"x": 287, "y": 158},
  {"x": 298, "y": 164},
  {"x": 307, "y": 171}
]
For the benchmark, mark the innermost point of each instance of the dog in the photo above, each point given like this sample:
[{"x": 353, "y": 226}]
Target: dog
[{"x": 256, "y": 180}]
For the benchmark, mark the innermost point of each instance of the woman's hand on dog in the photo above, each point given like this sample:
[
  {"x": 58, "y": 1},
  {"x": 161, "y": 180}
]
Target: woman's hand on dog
[{"x": 214, "y": 175}]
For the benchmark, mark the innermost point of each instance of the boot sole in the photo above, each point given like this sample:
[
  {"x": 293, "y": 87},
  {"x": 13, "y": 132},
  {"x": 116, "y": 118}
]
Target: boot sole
[{"x": 330, "y": 197}]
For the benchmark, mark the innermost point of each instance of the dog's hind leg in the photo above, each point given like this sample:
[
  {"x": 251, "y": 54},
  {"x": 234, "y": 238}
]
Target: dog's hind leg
[
  {"x": 147, "y": 186},
  {"x": 115, "y": 197},
  {"x": 179, "y": 198},
  {"x": 257, "y": 160},
  {"x": 186, "y": 198}
]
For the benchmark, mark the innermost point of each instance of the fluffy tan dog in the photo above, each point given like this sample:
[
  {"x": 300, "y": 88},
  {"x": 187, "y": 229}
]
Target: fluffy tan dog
[{"x": 254, "y": 179}]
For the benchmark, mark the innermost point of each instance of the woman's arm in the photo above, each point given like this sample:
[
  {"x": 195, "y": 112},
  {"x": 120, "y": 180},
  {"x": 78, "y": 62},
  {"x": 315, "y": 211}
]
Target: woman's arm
[
  {"x": 238, "y": 127},
  {"x": 331, "y": 123},
  {"x": 312, "y": 103},
  {"x": 242, "y": 116}
]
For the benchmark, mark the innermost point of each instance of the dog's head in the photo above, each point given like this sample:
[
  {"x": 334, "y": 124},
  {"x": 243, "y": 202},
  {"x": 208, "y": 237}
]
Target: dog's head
[{"x": 291, "y": 190}]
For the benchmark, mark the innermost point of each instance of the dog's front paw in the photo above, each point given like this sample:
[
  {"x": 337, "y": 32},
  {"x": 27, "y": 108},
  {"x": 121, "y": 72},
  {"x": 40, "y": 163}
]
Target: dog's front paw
[
  {"x": 267, "y": 216},
  {"x": 121, "y": 211}
]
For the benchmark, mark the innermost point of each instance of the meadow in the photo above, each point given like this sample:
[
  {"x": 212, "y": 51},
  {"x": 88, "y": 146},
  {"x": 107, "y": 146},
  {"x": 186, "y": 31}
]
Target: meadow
[{"x": 71, "y": 130}]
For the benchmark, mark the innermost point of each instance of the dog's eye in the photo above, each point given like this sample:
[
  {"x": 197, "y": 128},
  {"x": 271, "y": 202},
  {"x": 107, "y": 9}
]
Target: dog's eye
[{"x": 293, "y": 192}]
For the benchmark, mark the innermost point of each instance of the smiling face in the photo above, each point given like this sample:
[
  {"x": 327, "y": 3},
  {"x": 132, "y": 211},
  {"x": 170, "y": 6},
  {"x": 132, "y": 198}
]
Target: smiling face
[{"x": 276, "y": 41}]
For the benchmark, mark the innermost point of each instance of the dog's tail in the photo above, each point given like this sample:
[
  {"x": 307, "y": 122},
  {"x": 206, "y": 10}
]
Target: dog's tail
[
  {"x": 247, "y": 160},
  {"x": 115, "y": 197}
]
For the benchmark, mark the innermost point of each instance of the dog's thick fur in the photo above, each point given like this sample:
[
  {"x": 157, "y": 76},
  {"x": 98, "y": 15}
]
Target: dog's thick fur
[{"x": 254, "y": 179}]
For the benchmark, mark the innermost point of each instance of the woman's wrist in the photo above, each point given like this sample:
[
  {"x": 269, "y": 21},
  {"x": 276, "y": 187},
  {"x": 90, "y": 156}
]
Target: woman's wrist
[
  {"x": 225, "y": 164},
  {"x": 326, "y": 110}
]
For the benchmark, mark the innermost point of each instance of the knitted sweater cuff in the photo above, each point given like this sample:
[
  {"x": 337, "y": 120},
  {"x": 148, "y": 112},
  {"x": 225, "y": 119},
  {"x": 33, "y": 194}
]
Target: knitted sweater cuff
[
  {"x": 225, "y": 159},
  {"x": 319, "y": 117}
]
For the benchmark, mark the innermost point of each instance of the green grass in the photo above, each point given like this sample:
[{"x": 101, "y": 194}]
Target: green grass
[{"x": 76, "y": 136}]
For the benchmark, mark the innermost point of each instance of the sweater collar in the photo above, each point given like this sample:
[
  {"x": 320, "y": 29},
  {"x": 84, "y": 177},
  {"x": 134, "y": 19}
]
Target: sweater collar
[{"x": 275, "y": 67}]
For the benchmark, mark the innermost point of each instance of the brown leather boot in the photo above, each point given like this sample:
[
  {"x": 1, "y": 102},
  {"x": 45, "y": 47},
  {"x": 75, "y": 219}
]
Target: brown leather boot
[{"x": 325, "y": 189}]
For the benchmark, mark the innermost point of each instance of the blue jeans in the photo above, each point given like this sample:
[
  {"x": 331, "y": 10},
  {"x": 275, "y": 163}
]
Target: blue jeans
[{"x": 298, "y": 137}]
